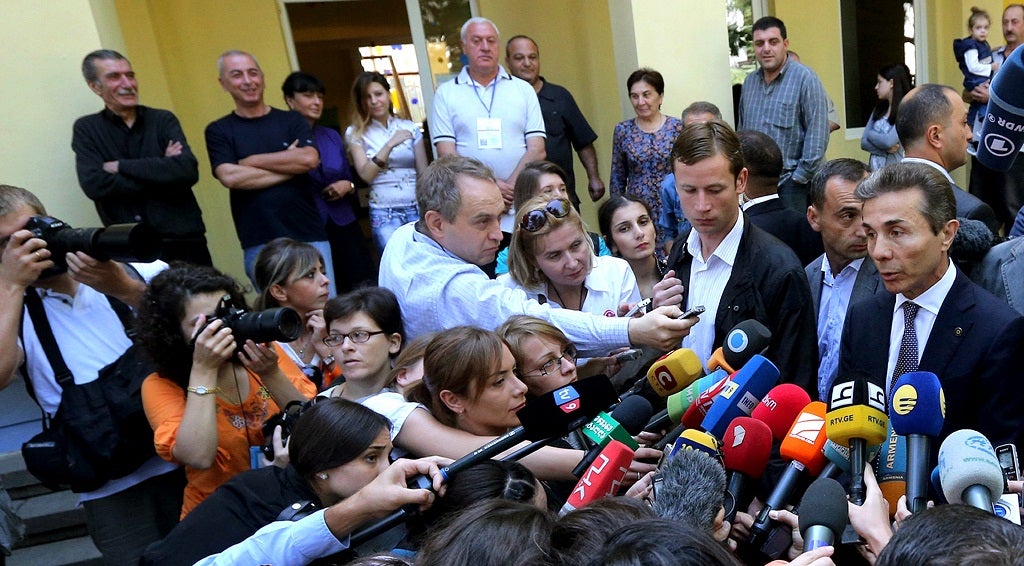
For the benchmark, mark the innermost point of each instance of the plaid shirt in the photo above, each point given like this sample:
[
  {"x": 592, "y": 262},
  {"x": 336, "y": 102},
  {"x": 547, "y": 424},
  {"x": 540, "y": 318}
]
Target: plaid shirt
[{"x": 793, "y": 111}]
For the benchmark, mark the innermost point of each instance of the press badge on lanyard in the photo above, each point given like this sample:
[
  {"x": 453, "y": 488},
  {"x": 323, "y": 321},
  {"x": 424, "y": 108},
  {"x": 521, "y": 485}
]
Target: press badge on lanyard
[{"x": 488, "y": 132}]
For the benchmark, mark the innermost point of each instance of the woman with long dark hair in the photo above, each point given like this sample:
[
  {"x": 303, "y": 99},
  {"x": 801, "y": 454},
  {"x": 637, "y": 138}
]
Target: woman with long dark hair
[
  {"x": 210, "y": 396},
  {"x": 880, "y": 139}
]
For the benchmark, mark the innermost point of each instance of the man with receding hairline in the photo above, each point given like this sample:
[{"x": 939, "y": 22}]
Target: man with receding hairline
[
  {"x": 564, "y": 122},
  {"x": 261, "y": 155},
  {"x": 932, "y": 317},
  {"x": 134, "y": 162}
]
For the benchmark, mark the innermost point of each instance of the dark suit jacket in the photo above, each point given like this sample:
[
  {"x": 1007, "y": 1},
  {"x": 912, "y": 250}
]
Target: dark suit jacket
[
  {"x": 788, "y": 225},
  {"x": 970, "y": 206},
  {"x": 976, "y": 348},
  {"x": 767, "y": 284},
  {"x": 867, "y": 283}
]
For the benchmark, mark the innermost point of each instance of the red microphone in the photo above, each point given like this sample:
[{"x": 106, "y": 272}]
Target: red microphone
[
  {"x": 780, "y": 407},
  {"x": 746, "y": 448},
  {"x": 694, "y": 415},
  {"x": 603, "y": 478}
]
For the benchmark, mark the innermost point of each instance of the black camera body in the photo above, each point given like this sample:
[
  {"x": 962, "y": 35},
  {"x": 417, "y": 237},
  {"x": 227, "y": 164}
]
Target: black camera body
[
  {"x": 119, "y": 242},
  {"x": 286, "y": 419},
  {"x": 281, "y": 324}
]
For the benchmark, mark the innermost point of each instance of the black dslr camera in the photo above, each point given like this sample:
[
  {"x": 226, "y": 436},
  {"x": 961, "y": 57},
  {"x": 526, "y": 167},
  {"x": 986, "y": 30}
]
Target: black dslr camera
[
  {"x": 119, "y": 242},
  {"x": 281, "y": 324}
]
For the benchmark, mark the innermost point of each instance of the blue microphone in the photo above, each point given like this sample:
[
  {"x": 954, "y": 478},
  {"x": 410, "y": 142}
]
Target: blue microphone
[
  {"x": 739, "y": 397},
  {"x": 918, "y": 412}
]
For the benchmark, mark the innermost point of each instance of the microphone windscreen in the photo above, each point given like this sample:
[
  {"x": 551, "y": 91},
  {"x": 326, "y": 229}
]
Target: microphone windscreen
[
  {"x": 674, "y": 371},
  {"x": 891, "y": 468},
  {"x": 967, "y": 458},
  {"x": 743, "y": 392},
  {"x": 566, "y": 408},
  {"x": 691, "y": 484},
  {"x": 824, "y": 504},
  {"x": 856, "y": 410},
  {"x": 678, "y": 403},
  {"x": 918, "y": 405},
  {"x": 633, "y": 413},
  {"x": 744, "y": 341},
  {"x": 717, "y": 361},
  {"x": 780, "y": 406},
  {"x": 747, "y": 446},
  {"x": 806, "y": 439},
  {"x": 1002, "y": 134},
  {"x": 602, "y": 478}
]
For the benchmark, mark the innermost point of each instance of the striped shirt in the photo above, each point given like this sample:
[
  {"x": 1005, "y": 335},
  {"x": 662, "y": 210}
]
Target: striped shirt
[{"x": 793, "y": 111}]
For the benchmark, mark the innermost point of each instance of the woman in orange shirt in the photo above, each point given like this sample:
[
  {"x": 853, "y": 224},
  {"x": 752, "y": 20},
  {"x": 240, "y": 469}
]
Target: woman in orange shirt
[{"x": 209, "y": 398}]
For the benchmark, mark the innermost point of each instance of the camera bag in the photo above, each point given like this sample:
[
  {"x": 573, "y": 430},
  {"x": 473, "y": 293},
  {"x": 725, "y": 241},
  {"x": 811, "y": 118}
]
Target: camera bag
[{"x": 100, "y": 431}]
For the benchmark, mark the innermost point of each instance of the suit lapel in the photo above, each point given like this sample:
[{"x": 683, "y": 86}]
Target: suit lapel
[
  {"x": 867, "y": 282},
  {"x": 816, "y": 279},
  {"x": 951, "y": 325}
]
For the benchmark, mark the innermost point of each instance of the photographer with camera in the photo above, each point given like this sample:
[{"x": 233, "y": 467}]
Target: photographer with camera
[
  {"x": 217, "y": 381},
  {"x": 74, "y": 292}
]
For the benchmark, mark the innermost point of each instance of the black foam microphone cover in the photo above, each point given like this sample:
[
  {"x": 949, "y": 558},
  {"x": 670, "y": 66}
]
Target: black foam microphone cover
[{"x": 823, "y": 513}]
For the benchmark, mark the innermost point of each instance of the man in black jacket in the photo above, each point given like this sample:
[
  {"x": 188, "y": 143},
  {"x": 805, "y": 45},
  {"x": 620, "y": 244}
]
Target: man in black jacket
[
  {"x": 732, "y": 267},
  {"x": 135, "y": 163}
]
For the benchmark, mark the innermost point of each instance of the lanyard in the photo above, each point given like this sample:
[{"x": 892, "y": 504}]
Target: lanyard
[{"x": 494, "y": 89}]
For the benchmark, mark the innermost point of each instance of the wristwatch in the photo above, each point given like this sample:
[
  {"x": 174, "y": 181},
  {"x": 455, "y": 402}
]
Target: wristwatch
[
  {"x": 377, "y": 161},
  {"x": 202, "y": 390}
]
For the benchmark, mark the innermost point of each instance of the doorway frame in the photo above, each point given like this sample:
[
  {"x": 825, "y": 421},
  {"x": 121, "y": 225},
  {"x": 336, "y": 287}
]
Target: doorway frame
[{"x": 419, "y": 41}]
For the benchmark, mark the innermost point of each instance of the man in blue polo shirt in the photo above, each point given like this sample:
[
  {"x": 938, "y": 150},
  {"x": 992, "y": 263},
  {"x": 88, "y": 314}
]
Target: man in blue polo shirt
[{"x": 488, "y": 114}]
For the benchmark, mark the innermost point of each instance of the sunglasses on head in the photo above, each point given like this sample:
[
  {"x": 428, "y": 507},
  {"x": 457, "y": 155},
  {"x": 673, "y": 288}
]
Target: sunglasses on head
[{"x": 537, "y": 219}]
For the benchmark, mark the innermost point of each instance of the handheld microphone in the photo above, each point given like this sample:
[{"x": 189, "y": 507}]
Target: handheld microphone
[
  {"x": 746, "y": 448},
  {"x": 678, "y": 403},
  {"x": 803, "y": 448},
  {"x": 627, "y": 419},
  {"x": 940, "y": 497},
  {"x": 602, "y": 478},
  {"x": 675, "y": 370},
  {"x": 780, "y": 407},
  {"x": 692, "y": 439},
  {"x": 548, "y": 416},
  {"x": 744, "y": 341},
  {"x": 839, "y": 458},
  {"x": 918, "y": 413},
  {"x": 695, "y": 413},
  {"x": 856, "y": 419},
  {"x": 1002, "y": 134},
  {"x": 741, "y": 394},
  {"x": 891, "y": 468},
  {"x": 823, "y": 513},
  {"x": 969, "y": 470}
]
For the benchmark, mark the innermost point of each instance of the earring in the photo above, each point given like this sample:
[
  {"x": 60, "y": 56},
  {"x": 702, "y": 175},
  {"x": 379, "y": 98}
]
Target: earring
[{"x": 322, "y": 475}]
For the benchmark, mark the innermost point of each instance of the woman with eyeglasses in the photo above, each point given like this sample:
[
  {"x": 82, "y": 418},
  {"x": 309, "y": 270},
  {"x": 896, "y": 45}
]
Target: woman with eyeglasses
[
  {"x": 545, "y": 358},
  {"x": 210, "y": 396},
  {"x": 336, "y": 448},
  {"x": 552, "y": 259},
  {"x": 547, "y": 179},
  {"x": 292, "y": 274},
  {"x": 365, "y": 333}
]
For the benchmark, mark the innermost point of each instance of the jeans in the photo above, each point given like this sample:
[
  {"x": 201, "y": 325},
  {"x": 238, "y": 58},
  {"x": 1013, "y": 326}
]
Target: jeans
[
  {"x": 384, "y": 222},
  {"x": 794, "y": 194},
  {"x": 324, "y": 247}
]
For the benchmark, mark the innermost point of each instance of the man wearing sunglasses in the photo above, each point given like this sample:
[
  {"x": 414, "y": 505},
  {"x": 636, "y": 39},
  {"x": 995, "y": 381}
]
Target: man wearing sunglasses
[
  {"x": 433, "y": 267},
  {"x": 730, "y": 266}
]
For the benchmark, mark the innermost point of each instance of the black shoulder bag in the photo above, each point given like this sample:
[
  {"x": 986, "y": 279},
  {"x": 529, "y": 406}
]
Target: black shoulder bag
[{"x": 100, "y": 431}]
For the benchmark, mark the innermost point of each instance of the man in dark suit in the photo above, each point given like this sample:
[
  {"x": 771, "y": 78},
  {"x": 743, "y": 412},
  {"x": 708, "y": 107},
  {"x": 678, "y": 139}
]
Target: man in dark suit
[
  {"x": 842, "y": 275},
  {"x": 933, "y": 129},
  {"x": 764, "y": 207},
  {"x": 729, "y": 265},
  {"x": 932, "y": 318}
]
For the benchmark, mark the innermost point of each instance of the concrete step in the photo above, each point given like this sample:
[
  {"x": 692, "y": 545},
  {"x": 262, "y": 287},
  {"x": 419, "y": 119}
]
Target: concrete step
[{"x": 72, "y": 552}]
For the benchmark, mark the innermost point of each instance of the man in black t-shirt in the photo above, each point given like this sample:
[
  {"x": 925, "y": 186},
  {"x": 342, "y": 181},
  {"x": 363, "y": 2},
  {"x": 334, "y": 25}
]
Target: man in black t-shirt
[{"x": 262, "y": 155}]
